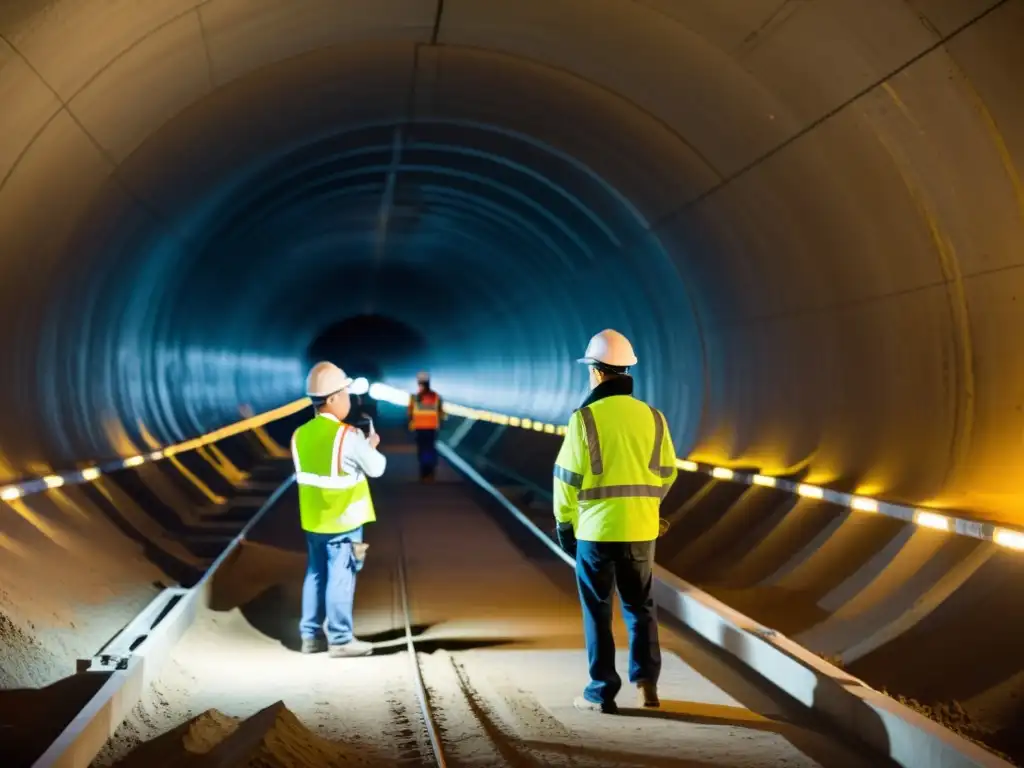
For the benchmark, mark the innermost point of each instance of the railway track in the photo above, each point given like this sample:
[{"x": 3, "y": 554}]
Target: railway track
[
  {"x": 442, "y": 584},
  {"x": 461, "y": 715},
  {"x": 426, "y": 708},
  {"x": 422, "y": 695}
]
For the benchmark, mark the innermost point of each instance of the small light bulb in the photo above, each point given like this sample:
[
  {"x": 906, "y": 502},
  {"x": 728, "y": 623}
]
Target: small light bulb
[
  {"x": 810, "y": 491},
  {"x": 10, "y": 493}
]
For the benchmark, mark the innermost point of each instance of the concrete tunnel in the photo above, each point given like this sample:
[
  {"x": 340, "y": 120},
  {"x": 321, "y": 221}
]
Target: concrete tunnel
[{"x": 808, "y": 217}]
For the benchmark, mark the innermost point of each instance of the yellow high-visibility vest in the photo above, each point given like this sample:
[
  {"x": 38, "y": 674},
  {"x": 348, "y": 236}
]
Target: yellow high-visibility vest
[
  {"x": 615, "y": 466},
  {"x": 330, "y": 501}
]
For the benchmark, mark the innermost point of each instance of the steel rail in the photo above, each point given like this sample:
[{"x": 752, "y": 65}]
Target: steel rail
[{"x": 410, "y": 644}]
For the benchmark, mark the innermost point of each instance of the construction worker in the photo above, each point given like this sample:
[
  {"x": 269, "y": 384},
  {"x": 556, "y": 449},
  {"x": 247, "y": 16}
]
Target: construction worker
[
  {"x": 616, "y": 464},
  {"x": 426, "y": 412},
  {"x": 332, "y": 461}
]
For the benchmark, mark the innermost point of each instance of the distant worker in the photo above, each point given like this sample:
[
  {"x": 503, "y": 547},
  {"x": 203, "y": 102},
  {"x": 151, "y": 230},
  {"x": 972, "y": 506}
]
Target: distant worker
[
  {"x": 332, "y": 461},
  {"x": 616, "y": 464},
  {"x": 426, "y": 412}
]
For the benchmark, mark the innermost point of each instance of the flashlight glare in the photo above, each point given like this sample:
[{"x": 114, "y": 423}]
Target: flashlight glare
[{"x": 360, "y": 386}]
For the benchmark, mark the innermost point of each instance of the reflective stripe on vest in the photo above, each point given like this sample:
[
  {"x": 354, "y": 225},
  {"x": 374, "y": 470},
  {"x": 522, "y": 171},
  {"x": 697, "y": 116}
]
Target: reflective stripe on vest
[
  {"x": 333, "y": 483},
  {"x": 628, "y": 490},
  {"x": 570, "y": 478},
  {"x": 620, "y": 480},
  {"x": 425, "y": 411},
  {"x": 330, "y": 501}
]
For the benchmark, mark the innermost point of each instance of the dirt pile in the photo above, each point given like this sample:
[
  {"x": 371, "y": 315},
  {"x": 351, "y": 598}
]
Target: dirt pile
[
  {"x": 272, "y": 738},
  {"x": 24, "y": 661},
  {"x": 69, "y": 581},
  {"x": 955, "y": 717}
]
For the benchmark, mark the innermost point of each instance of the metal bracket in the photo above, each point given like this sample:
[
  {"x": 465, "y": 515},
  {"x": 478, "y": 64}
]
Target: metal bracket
[
  {"x": 107, "y": 662},
  {"x": 115, "y": 654}
]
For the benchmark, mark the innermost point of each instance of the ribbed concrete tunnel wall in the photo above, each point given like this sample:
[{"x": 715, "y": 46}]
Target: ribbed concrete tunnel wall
[{"x": 808, "y": 216}]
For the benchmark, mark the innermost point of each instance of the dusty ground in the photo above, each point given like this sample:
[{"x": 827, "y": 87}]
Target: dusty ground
[
  {"x": 69, "y": 580},
  {"x": 75, "y": 568},
  {"x": 498, "y": 627}
]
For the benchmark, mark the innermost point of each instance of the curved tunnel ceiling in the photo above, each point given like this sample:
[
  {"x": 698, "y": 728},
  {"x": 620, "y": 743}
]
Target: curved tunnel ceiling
[{"x": 808, "y": 215}]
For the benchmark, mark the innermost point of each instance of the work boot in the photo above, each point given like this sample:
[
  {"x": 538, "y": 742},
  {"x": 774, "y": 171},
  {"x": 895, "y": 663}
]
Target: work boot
[
  {"x": 584, "y": 704},
  {"x": 647, "y": 694},
  {"x": 314, "y": 644},
  {"x": 351, "y": 649}
]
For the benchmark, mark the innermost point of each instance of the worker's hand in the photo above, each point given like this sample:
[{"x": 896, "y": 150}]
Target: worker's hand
[
  {"x": 566, "y": 538},
  {"x": 373, "y": 439}
]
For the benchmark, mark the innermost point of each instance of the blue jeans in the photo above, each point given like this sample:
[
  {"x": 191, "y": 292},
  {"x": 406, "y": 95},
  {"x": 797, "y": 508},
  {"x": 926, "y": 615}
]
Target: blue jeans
[
  {"x": 426, "y": 450},
  {"x": 600, "y": 567},
  {"x": 330, "y": 585}
]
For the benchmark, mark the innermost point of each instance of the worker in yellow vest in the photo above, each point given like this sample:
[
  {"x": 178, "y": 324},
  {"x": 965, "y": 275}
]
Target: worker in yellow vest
[
  {"x": 332, "y": 461},
  {"x": 426, "y": 412},
  {"x": 615, "y": 466}
]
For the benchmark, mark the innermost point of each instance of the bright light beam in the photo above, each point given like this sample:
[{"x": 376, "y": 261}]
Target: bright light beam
[
  {"x": 388, "y": 394},
  {"x": 360, "y": 386}
]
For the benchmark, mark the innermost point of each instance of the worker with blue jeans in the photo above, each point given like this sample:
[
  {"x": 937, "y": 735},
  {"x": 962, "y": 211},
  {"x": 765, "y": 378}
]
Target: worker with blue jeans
[
  {"x": 332, "y": 463},
  {"x": 615, "y": 466}
]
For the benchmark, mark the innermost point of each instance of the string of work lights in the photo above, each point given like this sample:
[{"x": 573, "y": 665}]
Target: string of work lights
[{"x": 1003, "y": 536}]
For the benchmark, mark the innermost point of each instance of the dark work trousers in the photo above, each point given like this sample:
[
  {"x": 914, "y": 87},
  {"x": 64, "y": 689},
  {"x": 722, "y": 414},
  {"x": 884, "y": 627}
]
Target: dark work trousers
[
  {"x": 601, "y": 566},
  {"x": 426, "y": 451}
]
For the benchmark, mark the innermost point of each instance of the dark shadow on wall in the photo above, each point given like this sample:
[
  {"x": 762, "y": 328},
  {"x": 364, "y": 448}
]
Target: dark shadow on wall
[{"x": 173, "y": 567}]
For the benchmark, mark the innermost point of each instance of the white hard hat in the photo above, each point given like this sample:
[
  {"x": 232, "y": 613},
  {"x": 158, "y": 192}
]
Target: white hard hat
[
  {"x": 325, "y": 379},
  {"x": 611, "y": 348},
  {"x": 422, "y": 377}
]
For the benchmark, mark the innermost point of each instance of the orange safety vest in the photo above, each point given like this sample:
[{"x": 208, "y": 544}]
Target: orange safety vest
[{"x": 425, "y": 411}]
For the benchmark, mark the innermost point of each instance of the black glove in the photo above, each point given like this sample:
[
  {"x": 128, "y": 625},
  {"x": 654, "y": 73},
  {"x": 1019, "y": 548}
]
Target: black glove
[{"x": 566, "y": 538}]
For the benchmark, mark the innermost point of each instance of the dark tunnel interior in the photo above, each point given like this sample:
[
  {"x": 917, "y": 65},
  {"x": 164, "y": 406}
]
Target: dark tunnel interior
[
  {"x": 372, "y": 346},
  {"x": 807, "y": 216}
]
